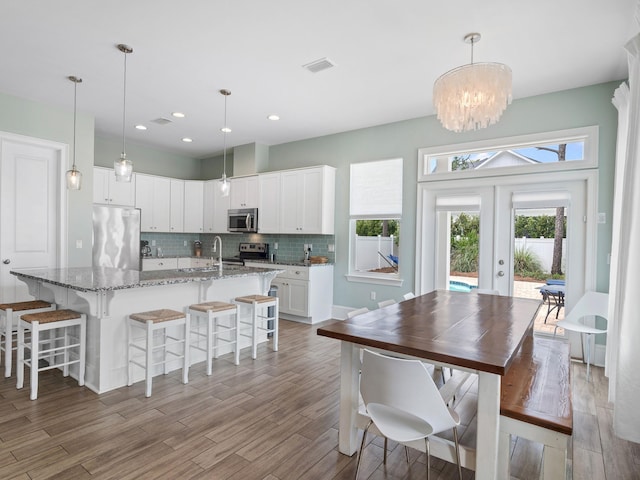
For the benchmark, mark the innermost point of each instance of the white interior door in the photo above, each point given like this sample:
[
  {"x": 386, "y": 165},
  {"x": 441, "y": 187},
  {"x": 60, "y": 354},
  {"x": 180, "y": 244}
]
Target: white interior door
[{"x": 29, "y": 192}]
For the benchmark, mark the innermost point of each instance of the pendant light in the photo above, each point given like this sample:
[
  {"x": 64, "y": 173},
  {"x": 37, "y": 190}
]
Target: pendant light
[
  {"x": 123, "y": 167},
  {"x": 473, "y": 96},
  {"x": 74, "y": 177},
  {"x": 225, "y": 186}
]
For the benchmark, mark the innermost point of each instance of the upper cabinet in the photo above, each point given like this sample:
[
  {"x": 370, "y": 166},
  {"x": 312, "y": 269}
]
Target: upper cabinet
[
  {"x": 176, "y": 206},
  {"x": 244, "y": 192},
  {"x": 153, "y": 197},
  {"x": 269, "y": 203},
  {"x": 307, "y": 200},
  {"x": 193, "y": 206},
  {"x": 107, "y": 191},
  {"x": 215, "y": 208}
]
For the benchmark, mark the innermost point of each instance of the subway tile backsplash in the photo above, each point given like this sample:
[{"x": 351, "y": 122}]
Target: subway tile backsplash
[{"x": 290, "y": 247}]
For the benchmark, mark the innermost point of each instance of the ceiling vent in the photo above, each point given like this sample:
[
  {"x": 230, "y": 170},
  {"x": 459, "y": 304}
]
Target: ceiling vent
[
  {"x": 162, "y": 121},
  {"x": 319, "y": 65}
]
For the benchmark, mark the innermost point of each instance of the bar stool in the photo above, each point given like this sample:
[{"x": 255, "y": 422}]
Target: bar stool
[
  {"x": 150, "y": 322},
  {"x": 58, "y": 345},
  {"x": 260, "y": 314},
  {"x": 211, "y": 313},
  {"x": 9, "y": 315}
]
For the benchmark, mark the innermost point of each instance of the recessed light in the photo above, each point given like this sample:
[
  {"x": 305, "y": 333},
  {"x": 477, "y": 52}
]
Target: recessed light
[
  {"x": 225, "y": 130},
  {"x": 141, "y": 127},
  {"x": 178, "y": 114},
  {"x": 187, "y": 140},
  {"x": 273, "y": 117}
]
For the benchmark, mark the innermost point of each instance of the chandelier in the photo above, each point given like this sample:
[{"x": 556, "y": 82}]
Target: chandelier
[
  {"x": 471, "y": 97},
  {"x": 224, "y": 182}
]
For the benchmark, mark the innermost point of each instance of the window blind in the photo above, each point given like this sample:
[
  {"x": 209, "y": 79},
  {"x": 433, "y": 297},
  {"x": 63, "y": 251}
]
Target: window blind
[{"x": 376, "y": 189}]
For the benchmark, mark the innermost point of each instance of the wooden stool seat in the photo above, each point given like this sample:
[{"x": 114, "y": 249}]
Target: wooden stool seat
[
  {"x": 162, "y": 315},
  {"x": 255, "y": 299},
  {"x": 57, "y": 345},
  {"x": 266, "y": 322},
  {"x": 51, "y": 316},
  {"x": 149, "y": 322},
  {"x": 209, "y": 315},
  {"x": 9, "y": 315}
]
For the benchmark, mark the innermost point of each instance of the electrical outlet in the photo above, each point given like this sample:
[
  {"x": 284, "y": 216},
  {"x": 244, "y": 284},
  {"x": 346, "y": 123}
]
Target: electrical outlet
[
  {"x": 185, "y": 243},
  {"x": 602, "y": 217},
  {"x": 305, "y": 247},
  {"x": 153, "y": 243},
  {"x": 331, "y": 247},
  {"x": 275, "y": 246},
  {"x": 78, "y": 243},
  {"x": 373, "y": 295}
]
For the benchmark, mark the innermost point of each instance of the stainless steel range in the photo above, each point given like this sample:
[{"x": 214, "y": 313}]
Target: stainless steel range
[{"x": 250, "y": 251}]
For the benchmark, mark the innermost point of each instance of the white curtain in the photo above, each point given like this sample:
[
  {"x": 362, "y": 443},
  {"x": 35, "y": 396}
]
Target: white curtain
[{"x": 623, "y": 354}]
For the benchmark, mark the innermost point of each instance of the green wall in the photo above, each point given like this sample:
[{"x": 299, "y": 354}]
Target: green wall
[
  {"x": 147, "y": 159},
  {"x": 25, "y": 117},
  {"x": 556, "y": 111}
]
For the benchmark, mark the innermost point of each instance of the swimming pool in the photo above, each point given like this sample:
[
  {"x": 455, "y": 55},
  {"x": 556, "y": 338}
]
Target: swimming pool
[{"x": 456, "y": 286}]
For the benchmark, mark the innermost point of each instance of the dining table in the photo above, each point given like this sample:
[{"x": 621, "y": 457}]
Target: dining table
[{"x": 472, "y": 332}]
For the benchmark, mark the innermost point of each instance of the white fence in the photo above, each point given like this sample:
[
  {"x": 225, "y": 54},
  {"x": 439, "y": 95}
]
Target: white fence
[
  {"x": 543, "y": 249},
  {"x": 367, "y": 248}
]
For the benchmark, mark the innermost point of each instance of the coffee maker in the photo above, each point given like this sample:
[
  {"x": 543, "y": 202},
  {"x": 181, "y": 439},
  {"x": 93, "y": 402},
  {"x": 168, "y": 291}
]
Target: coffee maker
[{"x": 145, "y": 249}]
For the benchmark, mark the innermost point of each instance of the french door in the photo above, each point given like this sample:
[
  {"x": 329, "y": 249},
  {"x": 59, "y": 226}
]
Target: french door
[{"x": 446, "y": 208}]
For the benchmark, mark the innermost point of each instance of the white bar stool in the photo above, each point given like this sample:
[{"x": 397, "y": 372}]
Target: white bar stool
[
  {"x": 9, "y": 315},
  {"x": 210, "y": 313},
  {"x": 149, "y": 322},
  {"x": 58, "y": 345},
  {"x": 260, "y": 319}
]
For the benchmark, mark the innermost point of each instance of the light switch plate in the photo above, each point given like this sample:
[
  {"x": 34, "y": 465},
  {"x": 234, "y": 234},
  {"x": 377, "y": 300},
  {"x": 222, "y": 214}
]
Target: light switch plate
[{"x": 78, "y": 243}]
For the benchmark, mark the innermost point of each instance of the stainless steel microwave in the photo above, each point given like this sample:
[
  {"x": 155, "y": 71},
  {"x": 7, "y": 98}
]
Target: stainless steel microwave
[{"x": 243, "y": 220}]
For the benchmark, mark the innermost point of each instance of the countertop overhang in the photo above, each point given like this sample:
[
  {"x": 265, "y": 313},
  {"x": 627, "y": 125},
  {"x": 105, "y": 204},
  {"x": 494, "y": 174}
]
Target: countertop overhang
[{"x": 88, "y": 279}]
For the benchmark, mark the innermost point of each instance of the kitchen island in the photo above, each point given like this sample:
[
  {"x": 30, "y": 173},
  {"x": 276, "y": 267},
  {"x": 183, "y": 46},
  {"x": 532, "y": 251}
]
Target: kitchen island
[{"x": 109, "y": 295}]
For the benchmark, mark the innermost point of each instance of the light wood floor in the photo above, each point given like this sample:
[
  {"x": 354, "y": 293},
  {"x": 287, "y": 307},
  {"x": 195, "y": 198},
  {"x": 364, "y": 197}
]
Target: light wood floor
[{"x": 273, "y": 418}]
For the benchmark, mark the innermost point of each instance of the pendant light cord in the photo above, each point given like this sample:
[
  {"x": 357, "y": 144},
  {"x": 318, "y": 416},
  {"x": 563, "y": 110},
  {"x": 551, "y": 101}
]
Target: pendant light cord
[
  {"x": 472, "y": 43},
  {"x": 224, "y": 148},
  {"x": 75, "y": 102},
  {"x": 124, "y": 102}
]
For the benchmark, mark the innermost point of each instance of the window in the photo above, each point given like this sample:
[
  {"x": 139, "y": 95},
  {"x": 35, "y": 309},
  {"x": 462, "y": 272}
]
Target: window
[
  {"x": 375, "y": 211},
  {"x": 565, "y": 150}
]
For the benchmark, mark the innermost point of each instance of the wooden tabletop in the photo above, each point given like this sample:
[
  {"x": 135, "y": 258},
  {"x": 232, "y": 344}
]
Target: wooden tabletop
[{"x": 481, "y": 332}]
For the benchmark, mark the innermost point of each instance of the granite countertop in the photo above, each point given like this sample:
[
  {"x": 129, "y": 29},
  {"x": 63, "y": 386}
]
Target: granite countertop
[
  {"x": 299, "y": 263},
  {"x": 87, "y": 279}
]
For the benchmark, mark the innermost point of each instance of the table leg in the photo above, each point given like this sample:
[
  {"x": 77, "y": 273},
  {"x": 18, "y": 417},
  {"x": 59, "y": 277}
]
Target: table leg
[
  {"x": 349, "y": 394},
  {"x": 488, "y": 426}
]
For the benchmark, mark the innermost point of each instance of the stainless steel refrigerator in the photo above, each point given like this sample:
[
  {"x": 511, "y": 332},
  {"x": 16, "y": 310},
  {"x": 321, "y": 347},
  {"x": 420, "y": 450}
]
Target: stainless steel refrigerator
[{"x": 116, "y": 237}]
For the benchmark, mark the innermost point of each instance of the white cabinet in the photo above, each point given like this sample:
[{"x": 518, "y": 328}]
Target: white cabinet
[
  {"x": 244, "y": 192},
  {"x": 153, "y": 196},
  {"x": 107, "y": 191},
  {"x": 215, "y": 208},
  {"x": 305, "y": 293},
  {"x": 191, "y": 262},
  {"x": 269, "y": 203},
  {"x": 176, "y": 206},
  {"x": 307, "y": 200},
  {"x": 193, "y": 206},
  {"x": 169, "y": 263}
]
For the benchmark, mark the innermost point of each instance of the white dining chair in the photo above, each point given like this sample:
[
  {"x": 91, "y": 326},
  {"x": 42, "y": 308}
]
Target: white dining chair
[
  {"x": 404, "y": 403},
  {"x": 385, "y": 303},
  {"x": 590, "y": 304},
  {"x": 357, "y": 311}
]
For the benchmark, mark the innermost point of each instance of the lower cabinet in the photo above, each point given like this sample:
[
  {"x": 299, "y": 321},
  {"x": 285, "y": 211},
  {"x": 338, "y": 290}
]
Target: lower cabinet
[
  {"x": 305, "y": 293},
  {"x": 163, "y": 263}
]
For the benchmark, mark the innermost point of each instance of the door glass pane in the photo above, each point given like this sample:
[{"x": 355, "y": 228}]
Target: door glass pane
[
  {"x": 539, "y": 265},
  {"x": 464, "y": 244}
]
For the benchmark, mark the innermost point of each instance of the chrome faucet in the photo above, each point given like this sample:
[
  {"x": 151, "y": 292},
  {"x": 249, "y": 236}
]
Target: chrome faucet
[{"x": 217, "y": 239}]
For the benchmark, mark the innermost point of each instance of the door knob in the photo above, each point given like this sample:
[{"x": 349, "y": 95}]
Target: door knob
[
  {"x": 6, "y": 261},
  {"x": 501, "y": 273}
]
